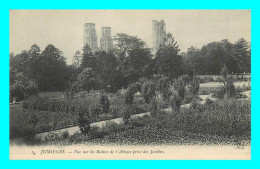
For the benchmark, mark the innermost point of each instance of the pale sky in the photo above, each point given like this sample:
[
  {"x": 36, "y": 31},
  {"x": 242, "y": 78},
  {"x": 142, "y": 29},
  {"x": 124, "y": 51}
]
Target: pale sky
[{"x": 65, "y": 28}]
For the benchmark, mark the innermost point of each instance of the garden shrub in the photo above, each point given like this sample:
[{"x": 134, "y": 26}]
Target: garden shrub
[
  {"x": 131, "y": 90},
  {"x": 31, "y": 88},
  {"x": 94, "y": 111},
  {"x": 127, "y": 114},
  {"x": 104, "y": 104},
  {"x": 129, "y": 97},
  {"x": 148, "y": 91},
  {"x": 111, "y": 127},
  {"x": 154, "y": 107},
  {"x": 96, "y": 133},
  {"x": 194, "y": 86},
  {"x": 230, "y": 88},
  {"x": 84, "y": 119},
  {"x": 188, "y": 98},
  {"x": 195, "y": 103},
  {"x": 208, "y": 101},
  {"x": 17, "y": 91},
  {"x": 53, "y": 136},
  {"x": 116, "y": 111},
  {"x": 186, "y": 78},
  {"x": 65, "y": 134},
  {"x": 220, "y": 93},
  {"x": 25, "y": 104},
  {"x": 175, "y": 102},
  {"x": 179, "y": 86},
  {"x": 162, "y": 85}
]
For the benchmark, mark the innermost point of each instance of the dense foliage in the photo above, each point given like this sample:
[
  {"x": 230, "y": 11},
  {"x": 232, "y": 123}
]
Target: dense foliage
[
  {"x": 211, "y": 57},
  {"x": 130, "y": 60}
]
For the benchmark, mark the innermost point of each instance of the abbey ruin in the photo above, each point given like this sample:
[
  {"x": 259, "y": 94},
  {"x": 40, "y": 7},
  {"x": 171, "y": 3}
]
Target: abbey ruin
[
  {"x": 90, "y": 36},
  {"x": 106, "y": 41},
  {"x": 158, "y": 34}
]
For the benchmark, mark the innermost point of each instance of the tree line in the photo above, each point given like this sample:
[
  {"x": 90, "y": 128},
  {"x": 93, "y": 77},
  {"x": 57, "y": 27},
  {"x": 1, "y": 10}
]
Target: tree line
[{"x": 129, "y": 61}]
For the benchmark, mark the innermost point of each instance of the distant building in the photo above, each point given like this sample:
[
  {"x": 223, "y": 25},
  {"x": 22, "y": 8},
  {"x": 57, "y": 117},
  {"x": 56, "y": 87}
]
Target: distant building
[
  {"x": 90, "y": 36},
  {"x": 158, "y": 34},
  {"x": 106, "y": 42}
]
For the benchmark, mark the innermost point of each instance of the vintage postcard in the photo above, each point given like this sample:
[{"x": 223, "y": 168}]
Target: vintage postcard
[{"x": 130, "y": 84}]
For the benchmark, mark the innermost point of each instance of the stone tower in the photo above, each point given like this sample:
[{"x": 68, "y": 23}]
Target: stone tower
[
  {"x": 158, "y": 34},
  {"x": 90, "y": 36},
  {"x": 106, "y": 42}
]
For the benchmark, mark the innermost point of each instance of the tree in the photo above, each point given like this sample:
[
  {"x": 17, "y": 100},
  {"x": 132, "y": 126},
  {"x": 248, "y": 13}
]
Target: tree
[
  {"x": 168, "y": 61},
  {"x": 88, "y": 58},
  {"x": 21, "y": 87},
  {"x": 133, "y": 57},
  {"x": 34, "y": 62},
  {"x": 211, "y": 57},
  {"x": 88, "y": 79},
  {"x": 107, "y": 69},
  {"x": 169, "y": 41},
  {"x": 242, "y": 55},
  {"x": 77, "y": 59},
  {"x": 20, "y": 62},
  {"x": 194, "y": 61},
  {"x": 52, "y": 70}
]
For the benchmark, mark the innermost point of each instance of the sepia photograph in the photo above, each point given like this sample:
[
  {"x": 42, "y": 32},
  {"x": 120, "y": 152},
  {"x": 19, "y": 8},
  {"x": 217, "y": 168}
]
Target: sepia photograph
[{"x": 130, "y": 84}]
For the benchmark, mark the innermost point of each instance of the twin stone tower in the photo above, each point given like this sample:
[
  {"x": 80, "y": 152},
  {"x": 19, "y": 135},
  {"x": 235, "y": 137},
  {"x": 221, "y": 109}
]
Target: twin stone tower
[
  {"x": 106, "y": 41},
  {"x": 90, "y": 38}
]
